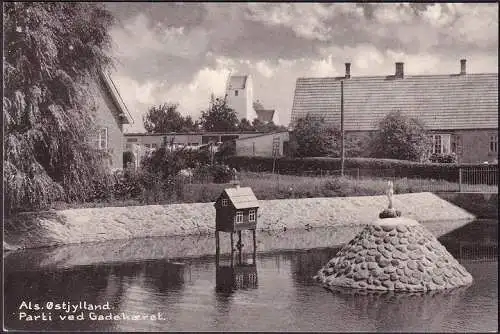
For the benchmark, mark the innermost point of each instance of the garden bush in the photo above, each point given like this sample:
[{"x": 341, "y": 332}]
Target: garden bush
[
  {"x": 443, "y": 158},
  {"x": 368, "y": 166}
]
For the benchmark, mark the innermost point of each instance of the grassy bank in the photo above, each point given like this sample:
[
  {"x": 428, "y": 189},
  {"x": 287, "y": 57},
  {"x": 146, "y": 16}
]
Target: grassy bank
[{"x": 267, "y": 186}]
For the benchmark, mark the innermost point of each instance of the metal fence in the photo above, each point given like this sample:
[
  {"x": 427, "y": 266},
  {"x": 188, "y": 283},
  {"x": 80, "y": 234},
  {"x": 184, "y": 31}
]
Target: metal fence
[{"x": 484, "y": 180}]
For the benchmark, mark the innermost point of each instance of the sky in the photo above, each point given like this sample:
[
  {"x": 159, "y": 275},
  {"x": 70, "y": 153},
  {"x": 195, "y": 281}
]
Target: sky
[{"x": 183, "y": 52}]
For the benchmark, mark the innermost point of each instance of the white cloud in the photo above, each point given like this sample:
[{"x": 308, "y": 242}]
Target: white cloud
[
  {"x": 323, "y": 68},
  {"x": 390, "y": 13},
  {"x": 264, "y": 69}
]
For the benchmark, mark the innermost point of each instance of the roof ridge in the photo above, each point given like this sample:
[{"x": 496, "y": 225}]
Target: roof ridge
[{"x": 452, "y": 75}]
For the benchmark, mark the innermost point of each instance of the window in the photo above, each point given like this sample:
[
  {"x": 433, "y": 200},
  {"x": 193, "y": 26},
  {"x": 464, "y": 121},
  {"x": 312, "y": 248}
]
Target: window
[
  {"x": 131, "y": 140},
  {"x": 102, "y": 139},
  {"x": 239, "y": 217},
  {"x": 251, "y": 215},
  {"x": 441, "y": 143},
  {"x": 224, "y": 202},
  {"x": 494, "y": 143},
  {"x": 236, "y": 93}
]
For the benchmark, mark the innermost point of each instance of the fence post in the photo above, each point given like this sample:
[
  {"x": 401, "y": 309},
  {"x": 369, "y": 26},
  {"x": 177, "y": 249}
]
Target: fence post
[
  {"x": 357, "y": 173},
  {"x": 459, "y": 179}
]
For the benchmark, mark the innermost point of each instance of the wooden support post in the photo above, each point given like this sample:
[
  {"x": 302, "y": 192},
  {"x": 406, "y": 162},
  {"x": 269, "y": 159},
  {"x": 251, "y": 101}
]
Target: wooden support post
[
  {"x": 240, "y": 246},
  {"x": 254, "y": 246},
  {"x": 217, "y": 248},
  {"x": 232, "y": 243}
]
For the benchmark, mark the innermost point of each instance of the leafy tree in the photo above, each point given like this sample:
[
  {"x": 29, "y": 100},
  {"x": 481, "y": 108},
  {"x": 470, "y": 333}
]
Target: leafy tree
[
  {"x": 244, "y": 125},
  {"x": 400, "y": 137},
  {"x": 219, "y": 116},
  {"x": 312, "y": 138},
  {"x": 53, "y": 53},
  {"x": 166, "y": 118}
]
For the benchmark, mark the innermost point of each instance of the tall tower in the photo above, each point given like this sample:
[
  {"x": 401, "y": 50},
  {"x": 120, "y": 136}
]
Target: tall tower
[{"x": 239, "y": 92}]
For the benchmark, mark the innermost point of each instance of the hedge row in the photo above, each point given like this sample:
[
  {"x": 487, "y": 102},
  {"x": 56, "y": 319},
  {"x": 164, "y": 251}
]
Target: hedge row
[{"x": 363, "y": 166}]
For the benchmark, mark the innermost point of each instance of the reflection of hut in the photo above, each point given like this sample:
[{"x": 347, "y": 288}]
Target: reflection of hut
[{"x": 240, "y": 276}]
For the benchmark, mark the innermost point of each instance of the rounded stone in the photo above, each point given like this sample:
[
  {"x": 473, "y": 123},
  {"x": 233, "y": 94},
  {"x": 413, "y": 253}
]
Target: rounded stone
[
  {"x": 412, "y": 265},
  {"x": 393, "y": 277},
  {"x": 372, "y": 252},
  {"x": 350, "y": 255},
  {"x": 421, "y": 267},
  {"x": 437, "y": 272},
  {"x": 430, "y": 246},
  {"x": 440, "y": 264},
  {"x": 404, "y": 241},
  {"x": 369, "y": 258},
  {"x": 438, "y": 280},
  {"x": 380, "y": 248},
  {"x": 363, "y": 265},
  {"x": 403, "y": 279},
  {"x": 393, "y": 233},
  {"x": 400, "y": 272},
  {"x": 389, "y": 247},
  {"x": 417, "y": 275},
  {"x": 383, "y": 263},
  {"x": 378, "y": 241},
  {"x": 401, "y": 248},
  {"x": 394, "y": 241},
  {"x": 358, "y": 259},
  {"x": 389, "y": 270},
  {"x": 412, "y": 247},
  {"x": 362, "y": 284},
  {"x": 376, "y": 227},
  {"x": 388, "y": 284},
  {"x": 416, "y": 255},
  {"x": 400, "y": 256},
  {"x": 372, "y": 265},
  {"x": 384, "y": 277},
  {"x": 448, "y": 273},
  {"x": 366, "y": 244},
  {"x": 387, "y": 239},
  {"x": 369, "y": 280},
  {"x": 426, "y": 278},
  {"x": 386, "y": 254},
  {"x": 413, "y": 280},
  {"x": 395, "y": 263},
  {"x": 401, "y": 228},
  {"x": 376, "y": 282},
  {"x": 387, "y": 228},
  {"x": 399, "y": 286},
  {"x": 361, "y": 275},
  {"x": 421, "y": 241}
]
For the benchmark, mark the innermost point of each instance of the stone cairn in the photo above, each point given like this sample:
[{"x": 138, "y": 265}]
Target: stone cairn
[{"x": 393, "y": 254}]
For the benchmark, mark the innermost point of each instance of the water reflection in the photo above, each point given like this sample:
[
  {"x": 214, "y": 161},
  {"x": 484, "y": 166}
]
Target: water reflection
[
  {"x": 271, "y": 292},
  {"x": 239, "y": 273}
]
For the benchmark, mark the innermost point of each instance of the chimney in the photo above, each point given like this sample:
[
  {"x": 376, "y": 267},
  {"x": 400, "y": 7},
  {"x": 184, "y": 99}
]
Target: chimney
[
  {"x": 400, "y": 72},
  {"x": 463, "y": 66},
  {"x": 347, "y": 70}
]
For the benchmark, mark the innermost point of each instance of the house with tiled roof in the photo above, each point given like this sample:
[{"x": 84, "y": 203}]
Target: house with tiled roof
[
  {"x": 111, "y": 115},
  {"x": 460, "y": 110}
]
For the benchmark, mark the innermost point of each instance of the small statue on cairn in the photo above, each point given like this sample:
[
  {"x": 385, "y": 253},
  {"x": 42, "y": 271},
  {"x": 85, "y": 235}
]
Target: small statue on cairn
[{"x": 390, "y": 212}]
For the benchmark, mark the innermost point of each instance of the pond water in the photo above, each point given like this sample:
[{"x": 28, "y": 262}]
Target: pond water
[{"x": 277, "y": 294}]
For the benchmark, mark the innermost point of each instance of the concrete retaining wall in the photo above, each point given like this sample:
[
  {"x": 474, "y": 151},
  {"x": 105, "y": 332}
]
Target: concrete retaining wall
[{"x": 75, "y": 226}]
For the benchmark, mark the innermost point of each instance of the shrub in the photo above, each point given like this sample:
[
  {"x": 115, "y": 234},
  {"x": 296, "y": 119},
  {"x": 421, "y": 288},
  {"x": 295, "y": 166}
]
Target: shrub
[
  {"x": 443, "y": 158},
  {"x": 367, "y": 167},
  {"x": 214, "y": 173}
]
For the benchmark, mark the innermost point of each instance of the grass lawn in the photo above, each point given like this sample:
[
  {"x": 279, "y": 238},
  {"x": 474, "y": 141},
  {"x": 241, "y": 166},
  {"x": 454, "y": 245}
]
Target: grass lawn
[{"x": 267, "y": 186}]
